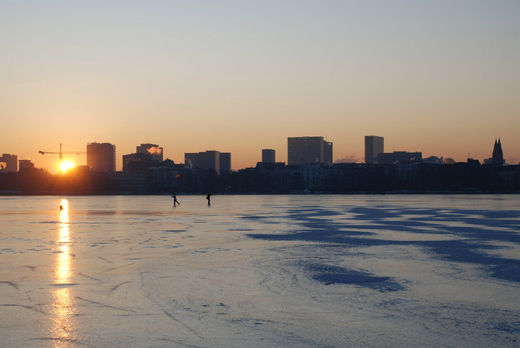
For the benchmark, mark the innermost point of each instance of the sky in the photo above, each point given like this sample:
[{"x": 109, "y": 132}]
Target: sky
[{"x": 441, "y": 77}]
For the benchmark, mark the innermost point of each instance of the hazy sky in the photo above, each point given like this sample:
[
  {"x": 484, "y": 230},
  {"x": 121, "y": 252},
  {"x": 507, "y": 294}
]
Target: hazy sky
[{"x": 441, "y": 77}]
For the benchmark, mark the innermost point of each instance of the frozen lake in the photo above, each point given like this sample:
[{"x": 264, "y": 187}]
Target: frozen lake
[{"x": 260, "y": 271}]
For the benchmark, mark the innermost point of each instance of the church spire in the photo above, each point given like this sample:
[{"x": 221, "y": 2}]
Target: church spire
[{"x": 498, "y": 155}]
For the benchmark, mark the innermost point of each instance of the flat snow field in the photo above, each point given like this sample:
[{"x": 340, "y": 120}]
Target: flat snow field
[{"x": 260, "y": 271}]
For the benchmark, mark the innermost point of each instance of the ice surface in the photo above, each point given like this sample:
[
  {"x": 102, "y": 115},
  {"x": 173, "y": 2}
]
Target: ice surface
[{"x": 260, "y": 271}]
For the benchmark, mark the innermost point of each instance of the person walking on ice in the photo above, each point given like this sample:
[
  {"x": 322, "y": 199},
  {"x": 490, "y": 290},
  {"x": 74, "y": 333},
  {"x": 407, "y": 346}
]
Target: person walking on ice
[{"x": 175, "y": 201}]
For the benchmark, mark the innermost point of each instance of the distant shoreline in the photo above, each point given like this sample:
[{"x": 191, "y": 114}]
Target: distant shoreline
[{"x": 441, "y": 193}]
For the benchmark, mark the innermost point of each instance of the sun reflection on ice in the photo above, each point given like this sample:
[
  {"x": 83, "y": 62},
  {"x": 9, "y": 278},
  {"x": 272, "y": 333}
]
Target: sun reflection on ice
[{"x": 63, "y": 307}]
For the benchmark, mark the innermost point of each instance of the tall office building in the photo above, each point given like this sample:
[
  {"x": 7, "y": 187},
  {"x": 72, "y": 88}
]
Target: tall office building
[
  {"x": 268, "y": 156},
  {"x": 8, "y": 163},
  {"x": 191, "y": 160},
  {"x": 374, "y": 145},
  {"x": 219, "y": 162},
  {"x": 308, "y": 150},
  {"x": 101, "y": 157},
  {"x": 154, "y": 150},
  {"x": 225, "y": 162},
  {"x": 327, "y": 152},
  {"x": 210, "y": 160}
]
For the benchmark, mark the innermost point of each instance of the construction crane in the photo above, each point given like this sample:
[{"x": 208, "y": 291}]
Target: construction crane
[{"x": 61, "y": 153}]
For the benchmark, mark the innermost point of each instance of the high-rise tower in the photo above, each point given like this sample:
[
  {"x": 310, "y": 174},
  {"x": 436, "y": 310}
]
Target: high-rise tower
[
  {"x": 308, "y": 150},
  {"x": 101, "y": 157},
  {"x": 268, "y": 156},
  {"x": 374, "y": 145}
]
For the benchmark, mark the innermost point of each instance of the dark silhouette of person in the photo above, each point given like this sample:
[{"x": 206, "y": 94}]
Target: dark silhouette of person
[
  {"x": 175, "y": 201},
  {"x": 208, "y": 197}
]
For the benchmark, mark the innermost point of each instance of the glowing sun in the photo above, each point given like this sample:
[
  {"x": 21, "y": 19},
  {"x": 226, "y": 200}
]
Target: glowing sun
[{"x": 66, "y": 165}]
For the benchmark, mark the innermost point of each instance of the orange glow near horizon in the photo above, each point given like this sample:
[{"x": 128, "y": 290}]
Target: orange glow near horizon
[
  {"x": 341, "y": 70},
  {"x": 65, "y": 166}
]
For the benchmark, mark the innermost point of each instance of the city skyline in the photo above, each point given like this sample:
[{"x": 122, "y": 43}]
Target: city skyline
[
  {"x": 156, "y": 152},
  {"x": 441, "y": 78}
]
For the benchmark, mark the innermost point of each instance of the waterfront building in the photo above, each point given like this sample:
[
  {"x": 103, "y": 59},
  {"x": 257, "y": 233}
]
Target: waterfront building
[
  {"x": 25, "y": 165},
  {"x": 374, "y": 145},
  {"x": 225, "y": 162},
  {"x": 211, "y": 159},
  {"x": 399, "y": 157},
  {"x": 8, "y": 163},
  {"x": 153, "y": 150},
  {"x": 268, "y": 156},
  {"x": 327, "y": 153},
  {"x": 138, "y": 161},
  {"x": 308, "y": 150},
  {"x": 101, "y": 157}
]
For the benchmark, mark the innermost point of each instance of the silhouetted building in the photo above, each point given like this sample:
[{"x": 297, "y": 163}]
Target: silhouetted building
[
  {"x": 154, "y": 150},
  {"x": 82, "y": 170},
  {"x": 138, "y": 161},
  {"x": 25, "y": 165},
  {"x": 497, "y": 159},
  {"x": 308, "y": 150},
  {"x": 314, "y": 176},
  {"x": 268, "y": 156},
  {"x": 101, "y": 157},
  {"x": 8, "y": 163},
  {"x": 225, "y": 162},
  {"x": 473, "y": 162},
  {"x": 208, "y": 160},
  {"x": 433, "y": 160},
  {"x": 399, "y": 157},
  {"x": 275, "y": 165},
  {"x": 149, "y": 176},
  {"x": 327, "y": 153},
  {"x": 191, "y": 160},
  {"x": 374, "y": 145}
]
